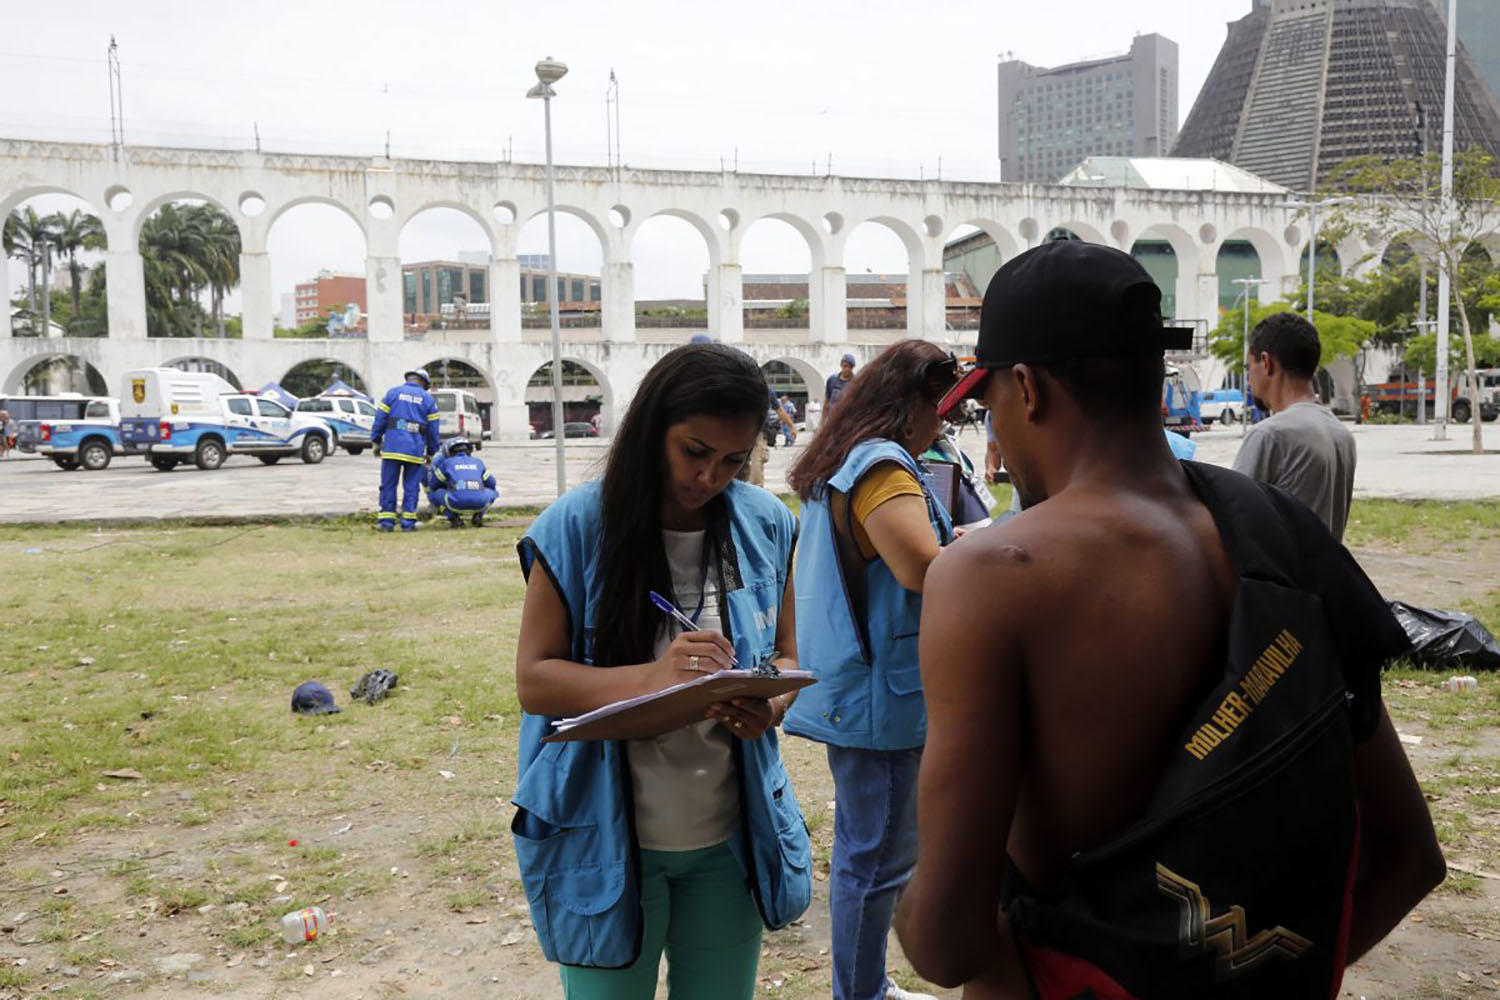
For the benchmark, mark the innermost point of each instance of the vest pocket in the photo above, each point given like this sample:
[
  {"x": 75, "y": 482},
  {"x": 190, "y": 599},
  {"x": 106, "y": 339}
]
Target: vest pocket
[
  {"x": 578, "y": 907},
  {"x": 792, "y": 891}
]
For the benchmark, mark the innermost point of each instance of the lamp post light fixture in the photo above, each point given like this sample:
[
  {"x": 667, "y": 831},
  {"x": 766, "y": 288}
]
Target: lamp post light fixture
[
  {"x": 1312, "y": 206},
  {"x": 548, "y": 72},
  {"x": 1245, "y": 285}
]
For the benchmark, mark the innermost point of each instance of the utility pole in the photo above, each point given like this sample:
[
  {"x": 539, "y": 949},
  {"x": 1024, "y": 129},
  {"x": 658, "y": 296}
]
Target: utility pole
[
  {"x": 116, "y": 100},
  {"x": 1445, "y": 221}
]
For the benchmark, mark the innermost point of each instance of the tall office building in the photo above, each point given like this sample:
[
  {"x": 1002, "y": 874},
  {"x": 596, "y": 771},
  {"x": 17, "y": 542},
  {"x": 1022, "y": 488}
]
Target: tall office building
[
  {"x": 1051, "y": 119},
  {"x": 1301, "y": 86}
]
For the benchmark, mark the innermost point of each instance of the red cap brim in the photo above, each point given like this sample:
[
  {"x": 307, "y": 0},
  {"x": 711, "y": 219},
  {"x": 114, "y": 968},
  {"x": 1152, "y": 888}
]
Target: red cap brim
[{"x": 969, "y": 386}]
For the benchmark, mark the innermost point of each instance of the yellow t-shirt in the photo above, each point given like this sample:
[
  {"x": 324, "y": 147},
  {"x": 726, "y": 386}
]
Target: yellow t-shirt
[{"x": 886, "y": 481}]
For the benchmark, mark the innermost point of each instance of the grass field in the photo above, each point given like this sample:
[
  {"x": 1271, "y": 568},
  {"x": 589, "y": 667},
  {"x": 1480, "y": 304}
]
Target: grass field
[{"x": 154, "y": 777}]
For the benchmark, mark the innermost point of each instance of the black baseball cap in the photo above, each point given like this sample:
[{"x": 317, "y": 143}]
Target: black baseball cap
[{"x": 1063, "y": 301}]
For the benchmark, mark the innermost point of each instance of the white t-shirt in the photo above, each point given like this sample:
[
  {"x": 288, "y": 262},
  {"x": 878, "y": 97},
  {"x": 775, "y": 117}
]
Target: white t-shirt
[{"x": 686, "y": 792}]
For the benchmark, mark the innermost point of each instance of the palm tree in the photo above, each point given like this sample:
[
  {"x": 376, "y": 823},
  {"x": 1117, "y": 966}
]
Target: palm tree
[
  {"x": 29, "y": 237},
  {"x": 186, "y": 249},
  {"x": 71, "y": 233}
]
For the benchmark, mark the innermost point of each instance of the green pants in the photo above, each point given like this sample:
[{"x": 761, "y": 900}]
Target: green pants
[{"x": 698, "y": 909}]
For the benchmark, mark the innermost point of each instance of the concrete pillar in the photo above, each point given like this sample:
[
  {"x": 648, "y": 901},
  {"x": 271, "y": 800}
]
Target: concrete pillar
[
  {"x": 505, "y": 301},
  {"x": 255, "y": 296},
  {"x": 1205, "y": 300},
  {"x": 510, "y": 422},
  {"x": 383, "y": 295},
  {"x": 125, "y": 289},
  {"x": 827, "y": 315},
  {"x": 926, "y": 311},
  {"x": 5, "y": 330},
  {"x": 726, "y": 304},
  {"x": 618, "y": 307}
]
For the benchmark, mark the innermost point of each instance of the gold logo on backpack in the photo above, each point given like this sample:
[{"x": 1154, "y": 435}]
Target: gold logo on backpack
[{"x": 1199, "y": 932}]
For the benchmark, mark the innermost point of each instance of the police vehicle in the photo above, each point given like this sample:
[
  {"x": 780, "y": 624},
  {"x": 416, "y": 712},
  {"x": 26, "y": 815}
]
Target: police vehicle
[
  {"x": 351, "y": 419},
  {"x": 88, "y": 441},
  {"x": 172, "y": 416}
]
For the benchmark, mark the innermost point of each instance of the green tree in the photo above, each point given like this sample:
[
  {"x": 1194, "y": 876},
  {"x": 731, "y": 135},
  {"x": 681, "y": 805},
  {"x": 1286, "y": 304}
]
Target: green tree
[
  {"x": 72, "y": 233},
  {"x": 1341, "y": 336},
  {"x": 186, "y": 250},
  {"x": 28, "y": 237},
  {"x": 1399, "y": 197}
]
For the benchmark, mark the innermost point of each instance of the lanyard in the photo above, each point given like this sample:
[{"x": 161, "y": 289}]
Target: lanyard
[{"x": 702, "y": 582}]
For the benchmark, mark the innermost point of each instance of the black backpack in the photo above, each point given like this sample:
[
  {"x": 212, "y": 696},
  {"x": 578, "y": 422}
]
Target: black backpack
[{"x": 1236, "y": 881}]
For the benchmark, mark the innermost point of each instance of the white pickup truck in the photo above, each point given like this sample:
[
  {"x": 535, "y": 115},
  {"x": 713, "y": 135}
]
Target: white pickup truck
[{"x": 173, "y": 416}]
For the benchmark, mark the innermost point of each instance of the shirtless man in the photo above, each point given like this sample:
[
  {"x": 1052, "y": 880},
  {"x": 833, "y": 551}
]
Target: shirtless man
[{"x": 1063, "y": 651}]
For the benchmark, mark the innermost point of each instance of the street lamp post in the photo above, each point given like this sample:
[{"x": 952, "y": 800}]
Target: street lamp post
[
  {"x": 1245, "y": 285},
  {"x": 548, "y": 72}
]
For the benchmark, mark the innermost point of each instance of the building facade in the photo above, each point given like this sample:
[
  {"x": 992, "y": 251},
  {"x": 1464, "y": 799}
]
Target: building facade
[
  {"x": 1479, "y": 30},
  {"x": 1051, "y": 119},
  {"x": 315, "y": 299},
  {"x": 1301, "y": 86}
]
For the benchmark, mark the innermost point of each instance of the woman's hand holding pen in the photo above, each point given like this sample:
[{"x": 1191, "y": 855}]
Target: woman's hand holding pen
[{"x": 691, "y": 655}]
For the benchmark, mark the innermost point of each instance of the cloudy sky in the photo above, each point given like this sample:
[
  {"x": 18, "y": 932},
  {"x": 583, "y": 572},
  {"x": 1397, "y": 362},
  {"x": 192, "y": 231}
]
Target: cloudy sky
[{"x": 885, "y": 88}]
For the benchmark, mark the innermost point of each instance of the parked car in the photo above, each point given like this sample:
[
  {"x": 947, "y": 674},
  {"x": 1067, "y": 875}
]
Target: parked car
[
  {"x": 458, "y": 415},
  {"x": 351, "y": 419},
  {"x": 30, "y": 411},
  {"x": 89, "y": 441},
  {"x": 1223, "y": 405},
  {"x": 172, "y": 416},
  {"x": 571, "y": 429}
]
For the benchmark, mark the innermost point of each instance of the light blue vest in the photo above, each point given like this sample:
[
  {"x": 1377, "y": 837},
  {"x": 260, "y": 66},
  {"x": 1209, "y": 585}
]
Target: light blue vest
[
  {"x": 573, "y": 829},
  {"x": 869, "y": 690}
]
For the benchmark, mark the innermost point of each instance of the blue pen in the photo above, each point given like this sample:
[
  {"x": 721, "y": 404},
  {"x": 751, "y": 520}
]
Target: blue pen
[{"x": 673, "y": 612}]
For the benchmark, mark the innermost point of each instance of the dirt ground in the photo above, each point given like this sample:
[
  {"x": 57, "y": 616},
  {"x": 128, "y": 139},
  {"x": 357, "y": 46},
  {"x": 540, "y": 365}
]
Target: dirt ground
[{"x": 401, "y": 831}]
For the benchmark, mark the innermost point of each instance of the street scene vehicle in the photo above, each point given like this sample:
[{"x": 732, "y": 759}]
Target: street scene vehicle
[
  {"x": 459, "y": 416},
  {"x": 1223, "y": 405},
  {"x": 1181, "y": 400},
  {"x": 30, "y": 411},
  {"x": 350, "y": 419},
  {"x": 89, "y": 441},
  {"x": 172, "y": 416},
  {"x": 1400, "y": 396},
  {"x": 571, "y": 429}
]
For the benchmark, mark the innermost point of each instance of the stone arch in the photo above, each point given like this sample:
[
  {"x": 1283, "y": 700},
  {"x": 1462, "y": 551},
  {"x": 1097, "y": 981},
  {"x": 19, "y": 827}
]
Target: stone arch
[
  {"x": 62, "y": 371},
  {"x": 803, "y": 371},
  {"x": 889, "y": 298},
  {"x": 916, "y": 250},
  {"x": 456, "y": 206},
  {"x": 973, "y": 257},
  {"x": 579, "y": 402},
  {"x": 816, "y": 246},
  {"x": 311, "y": 376},
  {"x": 704, "y": 282},
  {"x": 446, "y": 286},
  {"x": 94, "y": 318},
  {"x": 1269, "y": 251},
  {"x": 150, "y": 208},
  {"x": 533, "y": 285},
  {"x": 450, "y": 372},
  {"x": 767, "y": 301},
  {"x": 1171, "y": 255},
  {"x": 199, "y": 363},
  {"x": 273, "y": 216}
]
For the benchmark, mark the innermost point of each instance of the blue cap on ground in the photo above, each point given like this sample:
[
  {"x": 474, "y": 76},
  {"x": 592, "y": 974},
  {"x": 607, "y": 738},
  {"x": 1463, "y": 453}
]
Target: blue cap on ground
[
  {"x": 848, "y": 359},
  {"x": 312, "y": 698},
  {"x": 700, "y": 338}
]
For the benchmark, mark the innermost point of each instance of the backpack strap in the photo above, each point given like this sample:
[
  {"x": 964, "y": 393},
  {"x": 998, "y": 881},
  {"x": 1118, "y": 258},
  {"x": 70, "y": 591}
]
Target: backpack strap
[{"x": 1244, "y": 509}]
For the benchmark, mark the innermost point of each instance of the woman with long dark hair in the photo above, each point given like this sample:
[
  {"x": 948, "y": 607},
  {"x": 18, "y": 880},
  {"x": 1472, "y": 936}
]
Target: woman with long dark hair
[
  {"x": 690, "y": 842},
  {"x": 869, "y": 529}
]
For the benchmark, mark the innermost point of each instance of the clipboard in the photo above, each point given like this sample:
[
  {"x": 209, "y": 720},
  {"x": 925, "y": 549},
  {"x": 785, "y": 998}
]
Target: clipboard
[
  {"x": 674, "y": 707},
  {"x": 942, "y": 480}
]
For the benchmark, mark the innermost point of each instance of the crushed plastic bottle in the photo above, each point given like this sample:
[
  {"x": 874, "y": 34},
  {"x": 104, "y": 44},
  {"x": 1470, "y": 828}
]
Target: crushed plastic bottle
[
  {"x": 1461, "y": 685},
  {"x": 304, "y": 925}
]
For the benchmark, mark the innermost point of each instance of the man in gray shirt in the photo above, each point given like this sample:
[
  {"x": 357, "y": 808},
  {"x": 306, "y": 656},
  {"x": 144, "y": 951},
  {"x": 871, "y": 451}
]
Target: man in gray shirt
[{"x": 1302, "y": 447}]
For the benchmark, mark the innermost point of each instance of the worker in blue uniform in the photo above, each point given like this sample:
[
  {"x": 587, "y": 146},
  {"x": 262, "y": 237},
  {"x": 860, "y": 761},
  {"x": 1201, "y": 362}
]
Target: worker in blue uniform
[
  {"x": 458, "y": 484},
  {"x": 404, "y": 435}
]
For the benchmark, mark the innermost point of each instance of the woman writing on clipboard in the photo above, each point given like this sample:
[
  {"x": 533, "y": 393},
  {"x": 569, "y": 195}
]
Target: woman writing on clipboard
[
  {"x": 631, "y": 848},
  {"x": 870, "y": 527}
]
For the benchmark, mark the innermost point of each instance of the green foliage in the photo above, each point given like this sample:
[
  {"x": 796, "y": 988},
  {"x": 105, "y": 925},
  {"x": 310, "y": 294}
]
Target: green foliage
[
  {"x": 1421, "y": 353},
  {"x": 187, "y": 250},
  {"x": 1341, "y": 336}
]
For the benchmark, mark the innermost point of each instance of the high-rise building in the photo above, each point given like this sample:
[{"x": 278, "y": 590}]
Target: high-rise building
[
  {"x": 315, "y": 299},
  {"x": 1051, "y": 119},
  {"x": 1301, "y": 86}
]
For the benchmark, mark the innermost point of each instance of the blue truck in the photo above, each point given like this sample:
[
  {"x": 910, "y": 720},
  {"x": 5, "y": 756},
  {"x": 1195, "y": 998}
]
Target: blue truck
[{"x": 80, "y": 432}]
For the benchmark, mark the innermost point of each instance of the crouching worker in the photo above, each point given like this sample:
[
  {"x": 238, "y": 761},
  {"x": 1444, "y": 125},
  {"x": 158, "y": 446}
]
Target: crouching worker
[
  {"x": 689, "y": 843},
  {"x": 458, "y": 485}
]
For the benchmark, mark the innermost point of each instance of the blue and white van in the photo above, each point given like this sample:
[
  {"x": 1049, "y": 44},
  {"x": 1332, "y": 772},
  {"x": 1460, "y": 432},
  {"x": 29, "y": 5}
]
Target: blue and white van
[
  {"x": 173, "y": 416},
  {"x": 1225, "y": 405},
  {"x": 351, "y": 419}
]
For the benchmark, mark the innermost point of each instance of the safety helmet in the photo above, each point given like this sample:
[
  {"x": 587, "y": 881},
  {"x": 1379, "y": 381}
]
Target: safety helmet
[
  {"x": 457, "y": 445},
  {"x": 419, "y": 373}
]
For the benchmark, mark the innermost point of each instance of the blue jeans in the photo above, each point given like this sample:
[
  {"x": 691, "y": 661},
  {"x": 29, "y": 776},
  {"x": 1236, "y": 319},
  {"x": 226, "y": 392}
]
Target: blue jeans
[{"x": 874, "y": 851}]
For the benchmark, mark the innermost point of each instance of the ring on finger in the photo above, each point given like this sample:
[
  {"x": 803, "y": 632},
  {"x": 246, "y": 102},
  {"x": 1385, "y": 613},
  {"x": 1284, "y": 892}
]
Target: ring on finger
[{"x": 693, "y": 662}]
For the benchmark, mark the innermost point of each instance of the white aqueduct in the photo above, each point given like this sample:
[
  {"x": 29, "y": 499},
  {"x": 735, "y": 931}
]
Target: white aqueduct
[{"x": 126, "y": 185}]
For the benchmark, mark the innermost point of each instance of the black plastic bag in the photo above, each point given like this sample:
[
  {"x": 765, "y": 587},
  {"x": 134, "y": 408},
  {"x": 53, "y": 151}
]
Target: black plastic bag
[{"x": 1443, "y": 640}]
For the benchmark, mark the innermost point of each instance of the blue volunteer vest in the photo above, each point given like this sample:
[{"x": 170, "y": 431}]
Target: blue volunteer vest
[
  {"x": 573, "y": 828},
  {"x": 869, "y": 690}
]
